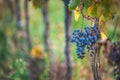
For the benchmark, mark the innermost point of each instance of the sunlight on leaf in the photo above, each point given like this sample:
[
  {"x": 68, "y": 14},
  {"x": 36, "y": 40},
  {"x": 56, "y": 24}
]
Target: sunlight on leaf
[
  {"x": 102, "y": 24},
  {"x": 102, "y": 18},
  {"x": 92, "y": 10},
  {"x": 103, "y": 36},
  {"x": 77, "y": 14}
]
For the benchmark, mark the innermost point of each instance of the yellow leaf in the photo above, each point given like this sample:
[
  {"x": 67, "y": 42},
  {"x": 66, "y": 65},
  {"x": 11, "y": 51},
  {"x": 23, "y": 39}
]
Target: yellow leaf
[
  {"x": 77, "y": 14},
  {"x": 89, "y": 10},
  {"x": 102, "y": 18},
  {"x": 102, "y": 24},
  {"x": 92, "y": 10},
  {"x": 37, "y": 52},
  {"x": 103, "y": 36}
]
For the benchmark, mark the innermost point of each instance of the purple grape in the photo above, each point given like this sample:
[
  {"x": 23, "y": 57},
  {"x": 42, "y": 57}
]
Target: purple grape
[{"x": 83, "y": 39}]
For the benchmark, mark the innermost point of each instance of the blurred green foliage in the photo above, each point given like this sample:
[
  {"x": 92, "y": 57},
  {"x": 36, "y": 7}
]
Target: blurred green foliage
[
  {"x": 19, "y": 70},
  {"x": 16, "y": 63}
]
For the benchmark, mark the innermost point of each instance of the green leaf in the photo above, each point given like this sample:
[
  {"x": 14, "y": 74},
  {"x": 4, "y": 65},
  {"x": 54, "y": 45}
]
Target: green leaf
[
  {"x": 92, "y": 11},
  {"x": 87, "y": 3},
  {"x": 73, "y": 4}
]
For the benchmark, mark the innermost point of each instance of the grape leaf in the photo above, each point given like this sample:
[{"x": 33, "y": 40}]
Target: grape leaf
[
  {"x": 73, "y": 4},
  {"x": 77, "y": 14},
  {"x": 92, "y": 11},
  {"x": 87, "y": 3},
  {"x": 103, "y": 36}
]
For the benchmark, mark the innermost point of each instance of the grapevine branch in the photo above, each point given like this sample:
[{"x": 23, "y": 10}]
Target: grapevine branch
[
  {"x": 84, "y": 15},
  {"x": 95, "y": 63}
]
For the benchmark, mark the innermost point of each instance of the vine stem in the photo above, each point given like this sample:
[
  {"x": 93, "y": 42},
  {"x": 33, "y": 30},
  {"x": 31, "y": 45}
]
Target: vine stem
[
  {"x": 84, "y": 15},
  {"x": 82, "y": 23},
  {"x": 95, "y": 63}
]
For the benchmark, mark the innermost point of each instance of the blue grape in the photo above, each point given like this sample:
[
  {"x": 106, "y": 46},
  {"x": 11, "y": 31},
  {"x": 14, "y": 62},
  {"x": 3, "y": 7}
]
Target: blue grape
[
  {"x": 87, "y": 30},
  {"x": 118, "y": 78},
  {"x": 87, "y": 38},
  {"x": 115, "y": 53}
]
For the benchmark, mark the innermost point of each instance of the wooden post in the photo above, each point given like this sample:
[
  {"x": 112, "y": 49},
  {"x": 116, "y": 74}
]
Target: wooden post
[
  {"x": 68, "y": 29},
  {"x": 27, "y": 25},
  {"x": 18, "y": 14}
]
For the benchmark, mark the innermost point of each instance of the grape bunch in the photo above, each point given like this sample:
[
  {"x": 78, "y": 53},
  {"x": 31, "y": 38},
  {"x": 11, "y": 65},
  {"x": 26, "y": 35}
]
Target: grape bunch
[
  {"x": 116, "y": 59},
  {"x": 87, "y": 39},
  {"x": 116, "y": 52}
]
